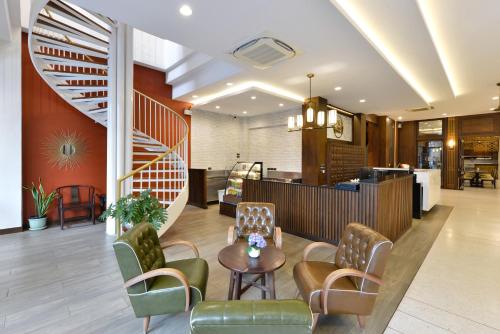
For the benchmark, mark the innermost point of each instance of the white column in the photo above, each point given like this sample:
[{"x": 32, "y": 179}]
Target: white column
[
  {"x": 120, "y": 113},
  {"x": 10, "y": 131}
]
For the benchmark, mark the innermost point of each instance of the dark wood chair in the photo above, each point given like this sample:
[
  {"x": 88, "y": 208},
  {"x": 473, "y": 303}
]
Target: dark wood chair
[{"x": 76, "y": 198}]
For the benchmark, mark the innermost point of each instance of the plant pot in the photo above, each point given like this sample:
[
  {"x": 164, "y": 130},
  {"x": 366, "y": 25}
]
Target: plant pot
[
  {"x": 37, "y": 223},
  {"x": 253, "y": 252}
]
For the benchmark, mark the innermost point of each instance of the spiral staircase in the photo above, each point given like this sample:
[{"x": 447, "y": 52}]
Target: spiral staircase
[{"x": 69, "y": 47}]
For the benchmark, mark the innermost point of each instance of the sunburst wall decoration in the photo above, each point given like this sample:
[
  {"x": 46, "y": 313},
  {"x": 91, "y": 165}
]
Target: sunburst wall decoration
[{"x": 65, "y": 149}]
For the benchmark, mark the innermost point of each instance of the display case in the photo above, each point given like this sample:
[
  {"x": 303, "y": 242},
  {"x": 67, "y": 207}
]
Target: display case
[{"x": 234, "y": 185}]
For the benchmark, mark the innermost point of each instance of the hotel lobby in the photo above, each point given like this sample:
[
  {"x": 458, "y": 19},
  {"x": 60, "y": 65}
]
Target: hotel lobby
[{"x": 249, "y": 167}]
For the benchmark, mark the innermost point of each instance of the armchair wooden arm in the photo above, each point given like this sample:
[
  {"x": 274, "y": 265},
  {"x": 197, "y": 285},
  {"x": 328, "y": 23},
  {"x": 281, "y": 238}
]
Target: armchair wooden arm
[
  {"x": 230, "y": 235},
  {"x": 315, "y": 245},
  {"x": 164, "y": 272},
  {"x": 189, "y": 244},
  {"x": 278, "y": 242},
  {"x": 330, "y": 279}
]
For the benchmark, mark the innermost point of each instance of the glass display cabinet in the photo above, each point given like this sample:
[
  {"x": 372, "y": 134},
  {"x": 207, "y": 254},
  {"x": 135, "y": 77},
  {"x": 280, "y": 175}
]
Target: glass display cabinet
[{"x": 234, "y": 185}]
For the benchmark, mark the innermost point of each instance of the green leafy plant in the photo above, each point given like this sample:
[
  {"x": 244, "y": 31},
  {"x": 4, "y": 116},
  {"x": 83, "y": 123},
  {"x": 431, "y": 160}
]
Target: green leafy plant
[
  {"x": 137, "y": 209},
  {"x": 41, "y": 199}
]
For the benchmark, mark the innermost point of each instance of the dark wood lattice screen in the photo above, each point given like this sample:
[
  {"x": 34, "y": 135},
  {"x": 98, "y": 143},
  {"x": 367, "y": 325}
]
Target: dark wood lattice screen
[{"x": 343, "y": 161}]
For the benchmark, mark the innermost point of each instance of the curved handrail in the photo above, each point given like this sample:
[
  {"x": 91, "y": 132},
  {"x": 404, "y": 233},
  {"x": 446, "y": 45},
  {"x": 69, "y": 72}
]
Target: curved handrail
[{"x": 160, "y": 157}]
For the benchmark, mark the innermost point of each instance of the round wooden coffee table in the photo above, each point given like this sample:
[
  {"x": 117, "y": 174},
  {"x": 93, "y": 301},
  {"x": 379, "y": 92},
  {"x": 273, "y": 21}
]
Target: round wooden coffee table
[{"x": 236, "y": 259}]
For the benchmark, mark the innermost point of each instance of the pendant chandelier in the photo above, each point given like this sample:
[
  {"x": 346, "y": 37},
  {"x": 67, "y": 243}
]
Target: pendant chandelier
[{"x": 323, "y": 119}]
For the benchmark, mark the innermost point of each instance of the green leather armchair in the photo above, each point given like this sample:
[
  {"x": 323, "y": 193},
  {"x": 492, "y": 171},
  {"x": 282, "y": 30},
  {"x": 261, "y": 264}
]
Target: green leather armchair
[
  {"x": 252, "y": 316},
  {"x": 155, "y": 286}
]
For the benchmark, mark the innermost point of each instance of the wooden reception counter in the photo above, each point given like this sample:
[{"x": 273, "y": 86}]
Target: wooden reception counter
[{"x": 322, "y": 212}]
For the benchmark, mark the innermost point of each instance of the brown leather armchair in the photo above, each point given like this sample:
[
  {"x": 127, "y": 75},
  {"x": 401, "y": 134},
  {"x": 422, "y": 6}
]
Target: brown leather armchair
[
  {"x": 255, "y": 217},
  {"x": 351, "y": 284}
]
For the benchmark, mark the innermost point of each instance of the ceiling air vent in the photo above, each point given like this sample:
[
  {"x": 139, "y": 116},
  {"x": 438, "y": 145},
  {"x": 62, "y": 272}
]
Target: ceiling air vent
[
  {"x": 420, "y": 109},
  {"x": 264, "y": 52}
]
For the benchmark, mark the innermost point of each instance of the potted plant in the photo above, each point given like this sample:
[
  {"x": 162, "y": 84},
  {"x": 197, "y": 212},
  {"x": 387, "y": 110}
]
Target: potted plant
[
  {"x": 42, "y": 204},
  {"x": 132, "y": 210},
  {"x": 255, "y": 243}
]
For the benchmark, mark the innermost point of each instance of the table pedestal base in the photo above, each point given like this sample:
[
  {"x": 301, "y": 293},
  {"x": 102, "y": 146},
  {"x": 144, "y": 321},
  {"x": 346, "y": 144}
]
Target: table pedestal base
[{"x": 266, "y": 285}]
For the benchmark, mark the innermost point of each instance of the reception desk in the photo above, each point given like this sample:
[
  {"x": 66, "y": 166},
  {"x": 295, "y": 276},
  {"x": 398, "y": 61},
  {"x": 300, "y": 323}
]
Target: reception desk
[
  {"x": 430, "y": 179},
  {"x": 322, "y": 212}
]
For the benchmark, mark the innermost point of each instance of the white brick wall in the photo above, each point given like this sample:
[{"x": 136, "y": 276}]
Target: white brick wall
[
  {"x": 216, "y": 138},
  {"x": 269, "y": 141}
]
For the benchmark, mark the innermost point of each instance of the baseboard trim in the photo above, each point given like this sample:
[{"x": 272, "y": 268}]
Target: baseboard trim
[{"x": 11, "y": 230}]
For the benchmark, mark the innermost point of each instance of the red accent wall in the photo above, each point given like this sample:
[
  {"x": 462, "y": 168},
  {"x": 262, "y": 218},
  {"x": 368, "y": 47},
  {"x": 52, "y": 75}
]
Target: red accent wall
[
  {"x": 45, "y": 113},
  {"x": 152, "y": 83}
]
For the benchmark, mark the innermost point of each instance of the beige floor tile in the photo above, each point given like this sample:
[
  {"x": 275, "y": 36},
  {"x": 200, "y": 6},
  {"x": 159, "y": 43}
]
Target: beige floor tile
[
  {"x": 444, "y": 319},
  {"x": 460, "y": 275},
  {"x": 405, "y": 323}
]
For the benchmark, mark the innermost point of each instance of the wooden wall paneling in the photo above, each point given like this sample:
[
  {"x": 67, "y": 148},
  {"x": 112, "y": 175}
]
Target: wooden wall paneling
[
  {"x": 314, "y": 147},
  {"x": 343, "y": 161},
  {"x": 407, "y": 143},
  {"x": 322, "y": 213},
  {"x": 451, "y": 155},
  {"x": 383, "y": 141},
  {"x": 479, "y": 125},
  {"x": 391, "y": 140},
  {"x": 386, "y": 141},
  {"x": 198, "y": 188},
  {"x": 373, "y": 144}
]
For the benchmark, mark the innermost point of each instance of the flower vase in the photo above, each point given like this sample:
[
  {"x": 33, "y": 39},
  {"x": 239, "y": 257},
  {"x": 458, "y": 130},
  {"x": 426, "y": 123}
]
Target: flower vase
[{"x": 253, "y": 252}]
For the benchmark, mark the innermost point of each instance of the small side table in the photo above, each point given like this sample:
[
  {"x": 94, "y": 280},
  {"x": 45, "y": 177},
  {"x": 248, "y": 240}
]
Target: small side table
[{"x": 236, "y": 259}]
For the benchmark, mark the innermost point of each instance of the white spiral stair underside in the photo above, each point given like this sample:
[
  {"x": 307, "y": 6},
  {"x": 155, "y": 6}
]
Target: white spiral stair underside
[{"x": 69, "y": 47}]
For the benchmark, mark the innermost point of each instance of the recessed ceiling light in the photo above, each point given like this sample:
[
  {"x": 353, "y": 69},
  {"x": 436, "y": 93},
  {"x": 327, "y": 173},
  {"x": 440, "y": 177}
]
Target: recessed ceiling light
[
  {"x": 362, "y": 101},
  {"x": 185, "y": 10},
  {"x": 195, "y": 96},
  {"x": 338, "y": 88},
  {"x": 229, "y": 83},
  {"x": 253, "y": 97},
  {"x": 217, "y": 107},
  {"x": 445, "y": 114},
  {"x": 492, "y": 109},
  {"x": 281, "y": 104},
  {"x": 400, "y": 117},
  {"x": 244, "y": 111},
  {"x": 494, "y": 98}
]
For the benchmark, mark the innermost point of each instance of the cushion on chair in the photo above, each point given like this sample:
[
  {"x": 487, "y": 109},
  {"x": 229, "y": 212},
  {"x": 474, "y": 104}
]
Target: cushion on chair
[
  {"x": 363, "y": 249},
  {"x": 166, "y": 293},
  {"x": 469, "y": 176},
  {"x": 343, "y": 297},
  {"x": 254, "y": 217},
  {"x": 138, "y": 251},
  {"x": 248, "y": 316},
  {"x": 486, "y": 177}
]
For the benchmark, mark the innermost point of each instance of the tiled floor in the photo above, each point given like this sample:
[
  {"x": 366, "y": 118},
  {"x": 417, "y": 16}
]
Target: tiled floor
[
  {"x": 56, "y": 281},
  {"x": 457, "y": 289}
]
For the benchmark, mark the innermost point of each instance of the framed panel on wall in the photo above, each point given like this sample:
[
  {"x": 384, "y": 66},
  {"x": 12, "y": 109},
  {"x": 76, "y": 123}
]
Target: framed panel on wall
[{"x": 345, "y": 134}]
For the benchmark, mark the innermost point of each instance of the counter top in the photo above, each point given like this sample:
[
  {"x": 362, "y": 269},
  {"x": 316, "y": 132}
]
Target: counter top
[{"x": 384, "y": 178}]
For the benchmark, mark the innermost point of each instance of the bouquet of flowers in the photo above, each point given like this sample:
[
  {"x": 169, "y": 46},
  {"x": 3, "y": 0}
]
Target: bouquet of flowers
[{"x": 255, "y": 242}]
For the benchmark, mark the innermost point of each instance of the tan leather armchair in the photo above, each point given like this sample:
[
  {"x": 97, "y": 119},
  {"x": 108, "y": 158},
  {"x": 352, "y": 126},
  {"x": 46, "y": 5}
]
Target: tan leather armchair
[
  {"x": 255, "y": 217},
  {"x": 351, "y": 284}
]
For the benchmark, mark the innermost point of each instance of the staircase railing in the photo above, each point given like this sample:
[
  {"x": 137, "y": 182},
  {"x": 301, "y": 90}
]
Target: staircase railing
[{"x": 166, "y": 176}]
